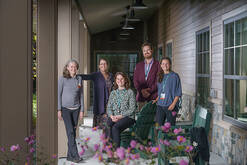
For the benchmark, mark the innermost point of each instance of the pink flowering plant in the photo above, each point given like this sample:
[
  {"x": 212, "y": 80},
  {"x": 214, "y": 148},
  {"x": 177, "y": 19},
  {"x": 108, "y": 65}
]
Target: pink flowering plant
[
  {"x": 174, "y": 143},
  {"x": 17, "y": 154},
  {"x": 84, "y": 145},
  {"x": 106, "y": 152}
]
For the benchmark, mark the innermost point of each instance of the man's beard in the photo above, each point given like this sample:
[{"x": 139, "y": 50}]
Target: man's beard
[{"x": 148, "y": 57}]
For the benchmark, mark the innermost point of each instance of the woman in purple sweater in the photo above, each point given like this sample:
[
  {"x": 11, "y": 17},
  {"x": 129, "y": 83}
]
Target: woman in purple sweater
[{"x": 102, "y": 81}]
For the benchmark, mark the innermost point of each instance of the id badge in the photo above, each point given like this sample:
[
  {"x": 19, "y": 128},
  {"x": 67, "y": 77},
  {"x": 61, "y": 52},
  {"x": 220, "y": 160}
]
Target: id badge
[{"x": 162, "y": 96}]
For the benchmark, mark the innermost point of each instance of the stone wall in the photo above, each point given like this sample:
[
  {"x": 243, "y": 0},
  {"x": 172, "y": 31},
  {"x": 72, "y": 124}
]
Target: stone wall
[{"x": 227, "y": 140}]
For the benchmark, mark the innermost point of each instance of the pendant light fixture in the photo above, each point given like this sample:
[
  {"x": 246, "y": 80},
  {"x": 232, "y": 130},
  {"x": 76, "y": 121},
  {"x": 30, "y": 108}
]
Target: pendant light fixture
[
  {"x": 127, "y": 26},
  {"x": 139, "y": 5},
  {"x": 124, "y": 33},
  {"x": 132, "y": 16}
]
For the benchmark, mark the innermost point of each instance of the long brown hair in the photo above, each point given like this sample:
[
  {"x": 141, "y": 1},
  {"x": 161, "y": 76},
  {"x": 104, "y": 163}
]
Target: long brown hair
[
  {"x": 126, "y": 80},
  {"x": 66, "y": 73},
  {"x": 161, "y": 72}
]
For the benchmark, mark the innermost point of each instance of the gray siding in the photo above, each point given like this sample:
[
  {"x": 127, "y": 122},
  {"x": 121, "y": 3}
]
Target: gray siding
[{"x": 179, "y": 21}]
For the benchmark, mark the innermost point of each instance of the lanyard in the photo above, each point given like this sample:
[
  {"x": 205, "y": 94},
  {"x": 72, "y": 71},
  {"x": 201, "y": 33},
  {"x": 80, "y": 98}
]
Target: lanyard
[
  {"x": 119, "y": 98},
  {"x": 164, "y": 84},
  {"x": 147, "y": 69}
]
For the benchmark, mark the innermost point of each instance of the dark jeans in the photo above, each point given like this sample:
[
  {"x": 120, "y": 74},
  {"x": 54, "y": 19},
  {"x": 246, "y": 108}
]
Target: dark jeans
[
  {"x": 162, "y": 113},
  {"x": 114, "y": 129},
  {"x": 70, "y": 118}
]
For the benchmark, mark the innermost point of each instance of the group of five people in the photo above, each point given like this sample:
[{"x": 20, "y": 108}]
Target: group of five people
[{"x": 114, "y": 101}]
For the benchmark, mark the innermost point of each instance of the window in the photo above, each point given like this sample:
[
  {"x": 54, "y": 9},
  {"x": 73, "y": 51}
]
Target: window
[
  {"x": 160, "y": 52},
  {"x": 120, "y": 62},
  {"x": 169, "y": 50},
  {"x": 202, "y": 67},
  {"x": 235, "y": 68}
]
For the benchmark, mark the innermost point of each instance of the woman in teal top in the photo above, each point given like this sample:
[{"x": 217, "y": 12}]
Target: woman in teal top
[{"x": 120, "y": 108}]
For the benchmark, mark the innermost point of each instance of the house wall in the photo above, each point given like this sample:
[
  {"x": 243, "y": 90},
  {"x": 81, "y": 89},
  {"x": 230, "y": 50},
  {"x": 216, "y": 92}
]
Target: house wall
[{"x": 179, "y": 21}]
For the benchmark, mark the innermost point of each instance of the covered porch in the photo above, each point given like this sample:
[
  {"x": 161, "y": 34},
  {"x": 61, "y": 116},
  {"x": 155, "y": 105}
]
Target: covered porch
[{"x": 206, "y": 41}]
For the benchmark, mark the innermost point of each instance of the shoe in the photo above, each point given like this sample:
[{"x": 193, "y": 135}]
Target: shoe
[{"x": 78, "y": 160}]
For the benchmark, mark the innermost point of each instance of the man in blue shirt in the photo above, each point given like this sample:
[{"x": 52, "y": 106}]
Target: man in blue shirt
[{"x": 169, "y": 92}]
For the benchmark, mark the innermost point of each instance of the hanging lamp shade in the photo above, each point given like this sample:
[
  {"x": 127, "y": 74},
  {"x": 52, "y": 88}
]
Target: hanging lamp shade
[
  {"x": 132, "y": 16},
  {"x": 127, "y": 26},
  {"x": 139, "y": 5},
  {"x": 124, "y": 33}
]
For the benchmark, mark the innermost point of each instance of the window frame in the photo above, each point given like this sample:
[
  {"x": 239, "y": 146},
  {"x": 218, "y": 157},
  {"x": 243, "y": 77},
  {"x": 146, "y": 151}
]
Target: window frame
[
  {"x": 199, "y": 75},
  {"x": 108, "y": 53},
  {"x": 234, "y": 77},
  {"x": 166, "y": 49}
]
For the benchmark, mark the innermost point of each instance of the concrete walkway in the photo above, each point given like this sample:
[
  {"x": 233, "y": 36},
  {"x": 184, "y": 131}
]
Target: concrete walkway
[{"x": 86, "y": 131}]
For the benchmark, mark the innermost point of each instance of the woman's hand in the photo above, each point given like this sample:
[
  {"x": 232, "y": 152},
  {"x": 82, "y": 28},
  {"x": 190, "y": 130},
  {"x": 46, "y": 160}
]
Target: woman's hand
[
  {"x": 119, "y": 117},
  {"x": 113, "y": 118},
  {"x": 145, "y": 92},
  {"x": 154, "y": 101},
  {"x": 59, "y": 115},
  {"x": 116, "y": 118},
  {"x": 171, "y": 107},
  {"x": 81, "y": 115}
]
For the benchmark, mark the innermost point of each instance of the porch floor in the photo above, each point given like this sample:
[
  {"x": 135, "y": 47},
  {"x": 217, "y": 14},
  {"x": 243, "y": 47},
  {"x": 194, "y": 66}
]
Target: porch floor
[{"x": 85, "y": 131}]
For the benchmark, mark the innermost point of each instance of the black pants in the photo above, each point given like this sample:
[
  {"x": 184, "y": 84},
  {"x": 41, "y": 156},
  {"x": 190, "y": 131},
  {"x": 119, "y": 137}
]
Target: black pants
[
  {"x": 162, "y": 113},
  {"x": 115, "y": 129},
  {"x": 70, "y": 118}
]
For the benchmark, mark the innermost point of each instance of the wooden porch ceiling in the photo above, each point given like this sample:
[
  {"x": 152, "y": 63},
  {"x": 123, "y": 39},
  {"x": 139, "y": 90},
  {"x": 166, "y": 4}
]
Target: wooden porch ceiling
[{"x": 103, "y": 15}]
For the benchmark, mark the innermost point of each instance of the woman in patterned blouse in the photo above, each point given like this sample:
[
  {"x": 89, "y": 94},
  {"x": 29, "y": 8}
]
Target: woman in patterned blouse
[{"x": 121, "y": 107}]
